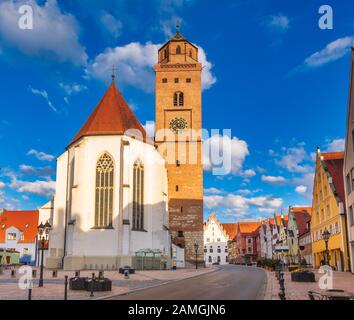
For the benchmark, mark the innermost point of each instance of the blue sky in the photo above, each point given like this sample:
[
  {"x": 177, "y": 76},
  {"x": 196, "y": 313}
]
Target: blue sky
[{"x": 272, "y": 76}]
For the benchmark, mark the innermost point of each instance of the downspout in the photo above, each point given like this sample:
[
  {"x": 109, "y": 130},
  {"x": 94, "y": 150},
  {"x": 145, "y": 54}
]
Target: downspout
[{"x": 66, "y": 209}]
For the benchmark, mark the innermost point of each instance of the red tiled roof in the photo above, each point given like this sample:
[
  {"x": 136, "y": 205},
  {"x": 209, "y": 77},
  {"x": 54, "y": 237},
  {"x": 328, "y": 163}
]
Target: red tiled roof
[
  {"x": 333, "y": 155},
  {"x": 302, "y": 216},
  {"x": 112, "y": 116},
  {"x": 230, "y": 228},
  {"x": 25, "y": 221},
  {"x": 248, "y": 227},
  {"x": 334, "y": 162}
]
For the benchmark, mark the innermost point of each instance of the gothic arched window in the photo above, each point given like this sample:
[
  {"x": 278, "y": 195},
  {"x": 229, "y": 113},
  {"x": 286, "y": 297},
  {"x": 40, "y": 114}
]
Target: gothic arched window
[
  {"x": 104, "y": 191},
  {"x": 138, "y": 196},
  {"x": 178, "y": 99},
  {"x": 178, "y": 50}
]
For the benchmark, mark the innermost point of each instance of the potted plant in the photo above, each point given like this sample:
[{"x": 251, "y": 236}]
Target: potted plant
[
  {"x": 302, "y": 275},
  {"x": 293, "y": 267}
]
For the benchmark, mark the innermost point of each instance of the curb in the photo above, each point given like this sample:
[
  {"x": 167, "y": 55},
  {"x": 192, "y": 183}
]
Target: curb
[
  {"x": 269, "y": 287},
  {"x": 155, "y": 285}
]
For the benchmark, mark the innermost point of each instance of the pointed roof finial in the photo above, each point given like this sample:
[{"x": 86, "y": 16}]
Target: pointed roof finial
[
  {"x": 113, "y": 73},
  {"x": 177, "y": 26}
]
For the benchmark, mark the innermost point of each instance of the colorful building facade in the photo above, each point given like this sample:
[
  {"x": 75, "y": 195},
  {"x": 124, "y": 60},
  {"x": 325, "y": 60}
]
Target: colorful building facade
[{"x": 328, "y": 212}]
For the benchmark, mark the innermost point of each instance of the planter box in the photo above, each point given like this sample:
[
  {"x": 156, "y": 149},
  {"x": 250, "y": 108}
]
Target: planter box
[
  {"x": 77, "y": 283},
  {"x": 98, "y": 285},
  {"x": 303, "y": 277}
]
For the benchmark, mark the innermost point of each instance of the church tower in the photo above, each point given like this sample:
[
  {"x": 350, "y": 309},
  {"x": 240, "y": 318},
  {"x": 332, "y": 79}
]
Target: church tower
[{"x": 178, "y": 127}]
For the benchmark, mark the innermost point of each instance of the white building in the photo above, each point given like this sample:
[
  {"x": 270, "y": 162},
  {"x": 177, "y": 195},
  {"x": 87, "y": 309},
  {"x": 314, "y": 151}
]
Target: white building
[
  {"x": 18, "y": 233},
  {"x": 111, "y": 194},
  {"x": 216, "y": 237}
]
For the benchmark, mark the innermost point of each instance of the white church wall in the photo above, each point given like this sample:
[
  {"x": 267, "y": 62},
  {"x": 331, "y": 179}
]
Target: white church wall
[
  {"x": 56, "y": 246},
  {"x": 83, "y": 241}
]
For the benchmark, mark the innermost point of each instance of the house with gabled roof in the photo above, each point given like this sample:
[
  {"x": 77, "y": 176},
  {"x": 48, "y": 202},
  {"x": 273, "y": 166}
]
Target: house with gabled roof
[
  {"x": 298, "y": 219},
  {"x": 216, "y": 238},
  {"x": 328, "y": 212}
]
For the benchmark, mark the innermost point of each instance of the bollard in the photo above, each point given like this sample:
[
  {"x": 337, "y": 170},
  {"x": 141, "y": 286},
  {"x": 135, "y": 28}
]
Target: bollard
[
  {"x": 281, "y": 287},
  {"x": 13, "y": 273},
  {"x": 34, "y": 273},
  {"x": 101, "y": 274},
  {"x": 30, "y": 294},
  {"x": 55, "y": 274},
  {"x": 92, "y": 280},
  {"x": 66, "y": 288}
]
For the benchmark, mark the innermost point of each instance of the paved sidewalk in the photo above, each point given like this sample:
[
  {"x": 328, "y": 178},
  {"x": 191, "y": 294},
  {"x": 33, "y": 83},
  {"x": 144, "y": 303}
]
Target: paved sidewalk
[
  {"x": 299, "y": 290},
  {"x": 54, "y": 287}
]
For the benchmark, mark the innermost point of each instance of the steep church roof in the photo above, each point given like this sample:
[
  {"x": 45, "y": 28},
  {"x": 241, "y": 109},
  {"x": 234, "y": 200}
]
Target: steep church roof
[{"x": 112, "y": 116}]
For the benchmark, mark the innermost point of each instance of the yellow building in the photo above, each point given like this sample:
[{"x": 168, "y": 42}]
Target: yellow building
[{"x": 328, "y": 211}]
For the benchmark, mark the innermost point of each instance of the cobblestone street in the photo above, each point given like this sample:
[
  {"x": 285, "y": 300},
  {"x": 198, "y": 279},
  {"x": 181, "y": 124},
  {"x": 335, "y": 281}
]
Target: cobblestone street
[
  {"x": 299, "y": 290},
  {"x": 54, "y": 287}
]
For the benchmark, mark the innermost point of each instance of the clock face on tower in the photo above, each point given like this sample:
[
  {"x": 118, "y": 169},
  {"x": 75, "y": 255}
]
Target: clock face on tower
[{"x": 177, "y": 124}]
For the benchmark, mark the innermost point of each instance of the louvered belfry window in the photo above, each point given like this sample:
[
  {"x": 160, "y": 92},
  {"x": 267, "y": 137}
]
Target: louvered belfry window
[
  {"x": 104, "y": 191},
  {"x": 138, "y": 196}
]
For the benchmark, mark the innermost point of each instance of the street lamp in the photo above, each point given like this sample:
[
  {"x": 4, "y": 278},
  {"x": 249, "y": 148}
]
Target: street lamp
[
  {"x": 196, "y": 246},
  {"x": 43, "y": 235},
  {"x": 326, "y": 235}
]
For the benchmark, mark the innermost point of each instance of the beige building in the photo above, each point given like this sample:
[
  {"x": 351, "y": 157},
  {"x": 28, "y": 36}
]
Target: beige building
[{"x": 349, "y": 165}]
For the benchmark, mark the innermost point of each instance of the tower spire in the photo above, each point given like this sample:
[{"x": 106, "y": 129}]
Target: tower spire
[
  {"x": 113, "y": 73},
  {"x": 177, "y": 26}
]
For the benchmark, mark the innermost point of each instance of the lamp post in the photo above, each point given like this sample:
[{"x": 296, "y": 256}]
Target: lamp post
[
  {"x": 326, "y": 235},
  {"x": 43, "y": 235},
  {"x": 196, "y": 246}
]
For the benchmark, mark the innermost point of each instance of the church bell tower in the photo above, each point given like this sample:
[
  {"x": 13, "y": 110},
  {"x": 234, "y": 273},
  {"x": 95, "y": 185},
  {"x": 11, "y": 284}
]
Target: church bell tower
[{"x": 178, "y": 136}]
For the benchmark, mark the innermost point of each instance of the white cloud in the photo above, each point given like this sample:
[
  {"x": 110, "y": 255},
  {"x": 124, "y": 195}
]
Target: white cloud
[
  {"x": 278, "y": 22},
  {"x": 293, "y": 160},
  {"x": 273, "y": 179},
  {"x": 42, "y": 156},
  {"x": 44, "y": 94},
  {"x": 111, "y": 24},
  {"x": 44, "y": 188},
  {"x": 72, "y": 88},
  {"x": 212, "y": 190},
  {"x": 332, "y": 52},
  {"x": 336, "y": 145},
  {"x": 36, "y": 171},
  {"x": 306, "y": 181},
  {"x": 301, "y": 189},
  {"x": 208, "y": 79},
  {"x": 234, "y": 150},
  {"x": 55, "y": 34},
  {"x": 2, "y": 185},
  {"x": 135, "y": 62},
  {"x": 249, "y": 173},
  {"x": 241, "y": 203}
]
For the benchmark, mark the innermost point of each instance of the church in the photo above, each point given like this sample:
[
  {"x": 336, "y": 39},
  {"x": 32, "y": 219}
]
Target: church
[{"x": 118, "y": 194}]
